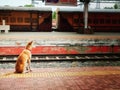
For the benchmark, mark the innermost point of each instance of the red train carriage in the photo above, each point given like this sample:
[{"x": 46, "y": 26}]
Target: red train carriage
[
  {"x": 105, "y": 20},
  {"x": 70, "y": 19},
  {"x": 27, "y": 18}
]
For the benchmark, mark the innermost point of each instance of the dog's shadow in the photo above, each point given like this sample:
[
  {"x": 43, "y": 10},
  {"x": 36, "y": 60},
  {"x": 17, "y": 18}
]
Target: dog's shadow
[
  {"x": 11, "y": 74},
  {"x": 7, "y": 74}
]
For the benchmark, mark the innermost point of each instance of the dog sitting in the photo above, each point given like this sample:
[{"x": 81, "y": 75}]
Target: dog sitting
[{"x": 24, "y": 59}]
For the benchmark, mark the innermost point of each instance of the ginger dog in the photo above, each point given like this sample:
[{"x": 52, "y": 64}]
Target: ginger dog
[{"x": 24, "y": 59}]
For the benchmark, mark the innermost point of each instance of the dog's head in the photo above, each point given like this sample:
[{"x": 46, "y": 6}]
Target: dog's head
[{"x": 29, "y": 45}]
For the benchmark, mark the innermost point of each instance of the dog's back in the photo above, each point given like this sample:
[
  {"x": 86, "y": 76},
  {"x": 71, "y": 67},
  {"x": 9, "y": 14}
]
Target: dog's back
[{"x": 23, "y": 59}]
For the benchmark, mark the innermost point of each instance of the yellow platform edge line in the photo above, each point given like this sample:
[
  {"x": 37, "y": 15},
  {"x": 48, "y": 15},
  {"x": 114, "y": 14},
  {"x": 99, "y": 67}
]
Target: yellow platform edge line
[{"x": 59, "y": 74}]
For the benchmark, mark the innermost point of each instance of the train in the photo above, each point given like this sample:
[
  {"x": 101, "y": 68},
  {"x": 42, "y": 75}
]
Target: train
[
  {"x": 27, "y": 18},
  {"x": 99, "y": 20},
  {"x": 67, "y": 19}
]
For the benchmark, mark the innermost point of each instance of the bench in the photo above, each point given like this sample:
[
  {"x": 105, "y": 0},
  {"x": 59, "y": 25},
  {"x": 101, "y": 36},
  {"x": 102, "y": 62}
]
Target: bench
[{"x": 4, "y": 28}]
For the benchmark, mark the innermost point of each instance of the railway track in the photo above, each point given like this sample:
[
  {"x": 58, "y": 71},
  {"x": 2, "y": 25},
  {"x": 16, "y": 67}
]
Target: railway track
[{"x": 64, "y": 57}]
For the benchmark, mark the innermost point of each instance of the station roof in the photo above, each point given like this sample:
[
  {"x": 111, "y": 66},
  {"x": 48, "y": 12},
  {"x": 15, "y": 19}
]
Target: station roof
[
  {"x": 90, "y": 10},
  {"x": 26, "y": 8}
]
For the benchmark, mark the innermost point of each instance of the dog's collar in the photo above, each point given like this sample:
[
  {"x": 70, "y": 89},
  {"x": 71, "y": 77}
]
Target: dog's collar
[{"x": 29, "y": 50}]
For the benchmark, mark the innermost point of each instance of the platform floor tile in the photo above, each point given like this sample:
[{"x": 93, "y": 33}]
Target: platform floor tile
[
  {"x": 84, "y": 78},
  {"x": 58, "y": 74}
]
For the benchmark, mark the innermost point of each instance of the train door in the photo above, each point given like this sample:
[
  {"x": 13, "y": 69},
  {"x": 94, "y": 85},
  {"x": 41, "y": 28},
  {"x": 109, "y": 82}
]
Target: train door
[
  {"x": 76, "y": 21},
  {"x": 34, "y": 21}
]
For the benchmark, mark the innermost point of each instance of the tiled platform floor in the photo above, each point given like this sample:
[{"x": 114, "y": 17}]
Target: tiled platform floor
[{"x": 82, "y": 78}]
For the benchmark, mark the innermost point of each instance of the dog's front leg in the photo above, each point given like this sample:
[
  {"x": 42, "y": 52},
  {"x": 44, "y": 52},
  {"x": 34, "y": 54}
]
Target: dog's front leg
[
  {"x": 29, "y": 63},
  {"x": 29, "y": 68}
]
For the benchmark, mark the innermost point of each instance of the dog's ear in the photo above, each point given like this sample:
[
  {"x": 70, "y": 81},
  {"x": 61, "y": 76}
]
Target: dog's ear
[{"x": 30, "y": 43}]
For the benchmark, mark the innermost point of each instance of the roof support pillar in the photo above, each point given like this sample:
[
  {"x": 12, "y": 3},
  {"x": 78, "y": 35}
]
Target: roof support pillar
[
  {"x": 86, "y": 29},
  {"x": 85, "y": 15}
]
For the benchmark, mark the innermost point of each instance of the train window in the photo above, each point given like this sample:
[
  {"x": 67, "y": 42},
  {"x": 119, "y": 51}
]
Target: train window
[
  {"x": 27, "y": 20},
  {"x": 81, "y": 21},
  {"x": 119, "y": 21},
  {"x": 76, "y": 20},
  {"x": 95, "y": 21},
  {"x": 12, "y": 19},
  {"x": 101, "y": 21},
  {"x": 0, "y": 20},
  {"x": 46, "y": 20},
  {"x": 89, "y": 21},
  {"x": 20, "y": 19},
  {"x": 114, "y": 21},
  {"x": 34, "y": 20},
  {"x": 108, "y": 21},
  {"x": 6, "y": 19}
]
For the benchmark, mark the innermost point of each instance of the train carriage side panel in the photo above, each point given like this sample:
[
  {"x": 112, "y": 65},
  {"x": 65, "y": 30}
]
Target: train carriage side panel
[
  {"x": 69, "y": 19},
  {"x": 45, "y": 21},
  {"x": 18, "y": 21},
  {"x": 106, "y": 21},
  {"x": 64, "y": 22},
  {"x": 27, "y": 19}
]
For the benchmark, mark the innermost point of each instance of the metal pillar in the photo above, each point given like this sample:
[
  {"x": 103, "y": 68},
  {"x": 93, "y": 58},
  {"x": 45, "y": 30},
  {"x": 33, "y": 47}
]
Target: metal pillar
[
  {"x": 32, "y": 2},
  {"x": 86, "y": 15},
  {"x": 98, "y": 4}
]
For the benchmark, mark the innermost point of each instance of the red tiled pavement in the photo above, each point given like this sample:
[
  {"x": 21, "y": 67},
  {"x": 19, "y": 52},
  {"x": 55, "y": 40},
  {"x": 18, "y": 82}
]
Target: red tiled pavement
[{"x": 82, "y": 78}]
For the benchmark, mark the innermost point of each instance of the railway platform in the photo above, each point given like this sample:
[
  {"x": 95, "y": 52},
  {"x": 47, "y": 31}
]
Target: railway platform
[
  {"x": 59, "y": 42},
  {"x": 61, "y": 75},
  {"x": 57, "y": 35},
  {"x": 77, "y": 78}
]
